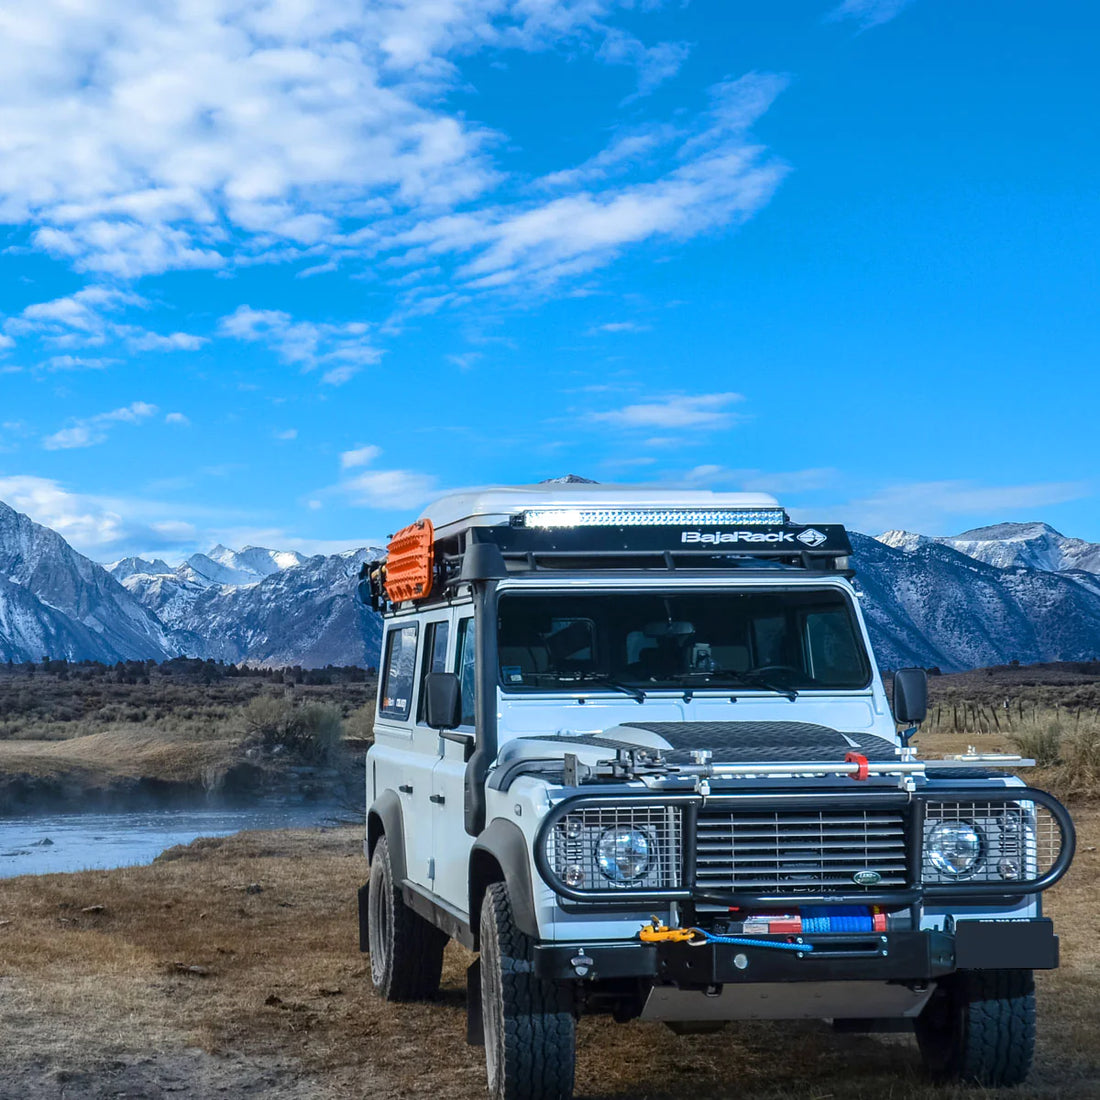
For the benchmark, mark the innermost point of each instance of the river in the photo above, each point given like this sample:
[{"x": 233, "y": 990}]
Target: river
[{"x": 44, "y": 843}]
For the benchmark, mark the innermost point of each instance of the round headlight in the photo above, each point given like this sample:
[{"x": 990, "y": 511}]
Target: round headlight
[
  {"x": 623, "y": 854},
  {"x": 954, "y": 847}
]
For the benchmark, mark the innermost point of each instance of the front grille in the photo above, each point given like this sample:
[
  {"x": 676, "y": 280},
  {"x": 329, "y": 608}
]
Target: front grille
[{"x": 793, "y": 852}]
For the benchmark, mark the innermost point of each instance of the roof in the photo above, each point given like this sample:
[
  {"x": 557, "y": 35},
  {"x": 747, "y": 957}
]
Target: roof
[{"x": 497, "y": 504}]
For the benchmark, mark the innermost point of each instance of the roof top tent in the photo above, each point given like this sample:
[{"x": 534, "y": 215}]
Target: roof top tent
[{"x": 489, "y": 533}]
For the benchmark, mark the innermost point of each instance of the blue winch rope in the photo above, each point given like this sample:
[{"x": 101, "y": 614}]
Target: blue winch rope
[
  {"x": 837, "y": 918},
  {"x": 741, "y": 941}
]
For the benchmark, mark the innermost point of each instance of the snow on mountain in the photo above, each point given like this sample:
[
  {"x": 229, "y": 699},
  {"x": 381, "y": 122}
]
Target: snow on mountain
[
  {"x": 263, "y": 606},
  {"x": 55, "y": 602},
  {"x": 306, "y": 614},
  {"x": 1012, "y": 546},
  {"x": 928, "y": 603}
]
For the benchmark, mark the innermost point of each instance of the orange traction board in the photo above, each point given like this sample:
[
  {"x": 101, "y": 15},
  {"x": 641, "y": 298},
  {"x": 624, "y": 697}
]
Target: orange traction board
[{"x": 410, "y": 562}]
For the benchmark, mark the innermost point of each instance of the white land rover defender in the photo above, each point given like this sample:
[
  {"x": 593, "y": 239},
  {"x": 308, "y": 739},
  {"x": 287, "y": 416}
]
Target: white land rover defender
[{"x": 632, "y": 747}]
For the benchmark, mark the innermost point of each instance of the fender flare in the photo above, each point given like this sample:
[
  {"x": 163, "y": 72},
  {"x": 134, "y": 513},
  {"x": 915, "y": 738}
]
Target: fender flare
[
  {"x": 385, "y": 818},
  {"x": 502, "y": 853}
]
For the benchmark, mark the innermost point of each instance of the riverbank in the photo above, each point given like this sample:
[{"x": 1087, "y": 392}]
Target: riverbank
[{"x": 230, "y": 967}]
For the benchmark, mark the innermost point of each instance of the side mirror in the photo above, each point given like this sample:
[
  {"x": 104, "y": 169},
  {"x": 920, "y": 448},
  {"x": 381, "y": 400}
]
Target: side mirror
[
  {"x": 910, "y": 696},
  {"x": 442, "y": 700}
]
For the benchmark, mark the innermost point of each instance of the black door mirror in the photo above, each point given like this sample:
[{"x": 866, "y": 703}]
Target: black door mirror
[
  {"x": 910, "y": 696},
  {"x": 442, "y": 700}
]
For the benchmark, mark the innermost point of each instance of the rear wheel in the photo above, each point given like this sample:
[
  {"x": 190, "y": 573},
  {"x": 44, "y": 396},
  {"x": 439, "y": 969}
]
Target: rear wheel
[
  {"x": 979, "y": 1028},
  {"x": 530, "y": 1031},
  {"x": 406, "y": 952}
]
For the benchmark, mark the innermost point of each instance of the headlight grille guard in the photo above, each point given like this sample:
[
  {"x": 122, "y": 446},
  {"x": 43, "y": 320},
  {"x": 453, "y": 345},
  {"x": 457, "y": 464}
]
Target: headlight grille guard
[{"x": 1051, "y": 837}]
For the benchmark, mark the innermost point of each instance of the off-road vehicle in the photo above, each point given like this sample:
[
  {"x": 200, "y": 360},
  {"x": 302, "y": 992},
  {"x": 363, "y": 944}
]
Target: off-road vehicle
[{"x": 632, "y": 747}]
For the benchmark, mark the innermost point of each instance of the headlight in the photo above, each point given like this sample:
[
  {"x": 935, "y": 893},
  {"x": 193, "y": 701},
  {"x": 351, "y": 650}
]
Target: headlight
[
  {"x": 623, "y": 854},
  {"x": 954, "y": 847}
]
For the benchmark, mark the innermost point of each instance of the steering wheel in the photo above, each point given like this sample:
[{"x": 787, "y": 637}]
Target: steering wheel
[{"x": 764, "y": 670}]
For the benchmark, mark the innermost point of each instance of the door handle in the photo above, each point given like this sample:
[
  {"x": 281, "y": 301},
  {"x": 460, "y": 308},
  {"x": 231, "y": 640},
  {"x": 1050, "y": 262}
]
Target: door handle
[
  {"x": 438, "y": 799},
  {"x": 405, "y": 788}
]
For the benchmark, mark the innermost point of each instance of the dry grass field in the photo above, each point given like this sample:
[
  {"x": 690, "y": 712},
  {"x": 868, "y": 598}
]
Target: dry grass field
[{"x": 182, "y": 979}]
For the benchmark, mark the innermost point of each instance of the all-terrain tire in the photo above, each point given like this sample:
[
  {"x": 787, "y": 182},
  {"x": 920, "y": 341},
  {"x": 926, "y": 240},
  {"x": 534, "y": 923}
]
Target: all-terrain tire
[
  {"x": 530, "y": 1030},
  {"x": 979, "y": 1028},
  {"x": 406, "y": 952}
]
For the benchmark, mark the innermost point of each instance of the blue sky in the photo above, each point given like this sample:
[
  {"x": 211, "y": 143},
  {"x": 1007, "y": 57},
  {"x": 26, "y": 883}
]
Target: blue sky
[{"x": 278, "y": 271}]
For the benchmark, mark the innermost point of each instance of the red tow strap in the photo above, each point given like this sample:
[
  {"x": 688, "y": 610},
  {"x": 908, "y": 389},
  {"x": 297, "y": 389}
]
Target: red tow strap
[{"x": 860, "y": 762}]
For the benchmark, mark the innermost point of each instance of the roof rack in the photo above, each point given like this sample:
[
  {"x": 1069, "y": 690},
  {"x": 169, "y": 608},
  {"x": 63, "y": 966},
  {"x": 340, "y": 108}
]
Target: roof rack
[{"x": 489, "y": 534}]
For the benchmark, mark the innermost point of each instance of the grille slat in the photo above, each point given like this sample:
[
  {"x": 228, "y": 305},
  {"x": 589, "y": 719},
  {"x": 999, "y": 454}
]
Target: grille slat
[{"x": 800, "y": 851}]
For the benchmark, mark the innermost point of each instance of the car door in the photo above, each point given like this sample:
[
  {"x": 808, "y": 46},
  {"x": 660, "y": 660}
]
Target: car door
[{"x": 451, "y": 842}]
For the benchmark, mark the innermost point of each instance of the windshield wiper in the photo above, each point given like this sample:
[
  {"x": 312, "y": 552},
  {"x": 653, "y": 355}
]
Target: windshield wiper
[
  {"x": 752, "y": 680},
  {"x": 635, "y": 693}
]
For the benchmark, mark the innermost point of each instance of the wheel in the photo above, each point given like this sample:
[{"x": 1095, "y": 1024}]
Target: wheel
[
  {"x": 530, "y": 1031},
  {"x": 406, "y": 952},
  {"x": 979, "y": 1028}
]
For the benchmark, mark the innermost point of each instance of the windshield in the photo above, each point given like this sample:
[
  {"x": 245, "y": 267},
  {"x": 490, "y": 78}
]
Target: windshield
[{"x": 760, "y": 640}]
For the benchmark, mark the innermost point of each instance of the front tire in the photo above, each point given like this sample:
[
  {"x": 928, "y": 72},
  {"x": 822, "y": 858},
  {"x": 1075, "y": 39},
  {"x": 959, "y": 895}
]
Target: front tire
[
  {"x": 406, "y": 952},
  {"x": 979, "y": 1028},
  {"x": 530, "y": 1031}
]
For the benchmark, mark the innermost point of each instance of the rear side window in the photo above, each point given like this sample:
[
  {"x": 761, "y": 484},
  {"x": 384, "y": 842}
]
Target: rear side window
[
  {"x": 467, "y": 670},
  {"x": 434, "y": 659},
  {"x": 399, "y": 671}
]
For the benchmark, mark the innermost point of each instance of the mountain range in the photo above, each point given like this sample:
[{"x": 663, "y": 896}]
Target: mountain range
[{"x": 1013, "y": 591}]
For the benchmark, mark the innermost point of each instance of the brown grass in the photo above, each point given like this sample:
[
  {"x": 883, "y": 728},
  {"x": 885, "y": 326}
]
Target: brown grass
[{"x": 99, "y": 999}]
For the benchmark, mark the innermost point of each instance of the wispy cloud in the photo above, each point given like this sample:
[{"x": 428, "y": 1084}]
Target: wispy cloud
[
  {"x": 89, "y": 319},
  {"x": 93, "y": 430},
  {"x": 360, "y": 456},
  {"x": 340, "y": 350},
  {"x": 224, "y": 130},
  {"x": 704, "y": 411},
  {"x": 935, "y": 507},
  {"x": 868, "y": 13},
  {"x": 760, "y": 481}
]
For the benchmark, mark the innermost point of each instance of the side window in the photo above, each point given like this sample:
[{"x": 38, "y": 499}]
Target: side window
[
  {"x": 467, "y": 669},
  {"x": 396, "y": 689},
  {"x": 434, "y": 659}
]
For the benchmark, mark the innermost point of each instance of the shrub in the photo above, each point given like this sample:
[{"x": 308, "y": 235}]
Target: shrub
[
  {"x": 1042, "y": 742},
  {"x": 312, "y": 732}
]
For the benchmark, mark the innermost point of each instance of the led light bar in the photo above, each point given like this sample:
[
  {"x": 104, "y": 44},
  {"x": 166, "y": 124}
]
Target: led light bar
[{"x": 654, "y": 517}]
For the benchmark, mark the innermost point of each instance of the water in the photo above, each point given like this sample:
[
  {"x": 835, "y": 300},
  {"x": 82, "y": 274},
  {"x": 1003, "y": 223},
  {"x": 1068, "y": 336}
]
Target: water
[{"x": 80, "y": 842}]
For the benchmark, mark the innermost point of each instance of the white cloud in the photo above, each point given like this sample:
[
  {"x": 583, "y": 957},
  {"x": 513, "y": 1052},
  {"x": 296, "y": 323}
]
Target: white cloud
[
  {"x": 106, "y": 527},
  {"x": 360, "y": 456},
  {"x": 935, "y": 507},
  {"x": 760, "y": 481},
  {"x": 621, "y": 326},
  {"x": 700, "y": 411},
  {"x": 287, "y": 436},
  {"x": 404, "y": 489},
  {"x": 868, "y": 13},
  {"x": 341, "y": 349},
  {"x": 177, "y": 418},
  {"x": 716, "y": 178},
  {"x": 6, "y": 342},
  {"x": 136, "y": 141},
  {"x": 94, "y": 429},
  {"x": 84, "y": 320}
]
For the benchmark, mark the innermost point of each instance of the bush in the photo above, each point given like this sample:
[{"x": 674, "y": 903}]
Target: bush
[
  {"x": 1041, "y": 742},
  {"x": 312, "y": 732}
]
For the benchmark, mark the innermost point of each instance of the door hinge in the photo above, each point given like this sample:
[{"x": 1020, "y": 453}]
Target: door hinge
[
  {"x": 438, "y": 799},
  {"x": 431, "y": 869}
]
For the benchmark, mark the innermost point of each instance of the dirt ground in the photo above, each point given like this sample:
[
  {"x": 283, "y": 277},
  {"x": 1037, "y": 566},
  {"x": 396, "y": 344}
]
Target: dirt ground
[{"x": 230, "y": 968}]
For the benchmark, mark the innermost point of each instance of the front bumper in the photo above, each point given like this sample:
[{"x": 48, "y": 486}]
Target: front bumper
[{"x": 885, "y": 957}]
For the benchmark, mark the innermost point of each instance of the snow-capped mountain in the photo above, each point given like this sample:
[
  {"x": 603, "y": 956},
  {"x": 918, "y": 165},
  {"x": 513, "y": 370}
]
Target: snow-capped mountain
[
  {"x": 55, "y": 602},
  {"x": 1013, "y": 545},
  {"x": 929, "y": 604},
  {"x": 988, "y": 596},
  {"x": 275, "y": 607}
]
